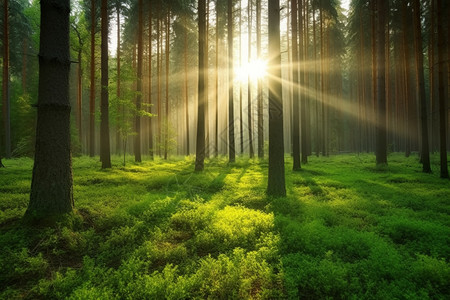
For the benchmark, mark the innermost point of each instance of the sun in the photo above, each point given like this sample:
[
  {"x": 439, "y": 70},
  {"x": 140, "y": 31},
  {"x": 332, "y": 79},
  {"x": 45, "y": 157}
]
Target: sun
[{"x": 255, "y": 69}]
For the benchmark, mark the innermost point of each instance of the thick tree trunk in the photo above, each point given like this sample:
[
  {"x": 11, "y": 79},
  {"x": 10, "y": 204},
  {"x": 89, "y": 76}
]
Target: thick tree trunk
[
  {"x": 276, "y": 178},
  {"x": 92, "y": 87},
  {"x": 51, "y": 185},
  {"x": 296, "y": 90},
  {"x": 5, "y": 88},
  {"x": 231, "y": 142},
  {"x": 200, "y": 149},
  {"x": 420, "y": 80},
  {"x": 381, "y": 145},
  {"x": 442, "y": 96},
  {"x": 105, "y": 154}
]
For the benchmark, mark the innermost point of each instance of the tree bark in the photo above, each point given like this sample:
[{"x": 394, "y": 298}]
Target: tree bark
[
  {"x": 5, "y": 88},
  {"x": 137, "y": 118},
  {"x": 381, "y": 153},
  {"x": 231, "y": 142},
  {"x": 51, "y": 185},
  {"x": 92, "y": 87},
  {"x": 442, "y": 96},
  {"x": 276, "y": 178},
  {"x": 249, "y": 93},
  {"x": 150, "y": 101},
  {"x": 296, "y": 90},
  {"x": 166, "y": 126},
  {"x": 420, "y": 80},
  {"x": 186, "y": 91},
  {"x": 259, "y": 88},
  {"x": 105, "y": 155},
  {"x": 200, "y": 147}
]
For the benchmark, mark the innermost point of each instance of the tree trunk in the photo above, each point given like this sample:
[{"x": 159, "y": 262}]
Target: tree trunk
[
  {"x": 166, "y": 126},
  {"x": 420, "y": 80},
  {"x": 118, "y": 92},
  {"x": 137, "y": 118},
  {"x": 158, "y": 75},
  {"x": 206, "y": 97},
  {"x": 186, "y": 92},
  {"x": 259, "y": 88},
  {"x": 105, "y": 155},
  {"x": 442, "y": 96},
  {"x": 200, "y": 149},
  {"x": 92, "y": 87},
  {"x": 276, "y": 181},
  {"x": 249, "y": 93},
  {"x": 381, "y": 146},
  {"x": 5, "y": 88},
  {"x": 296, "y": 90},
  {"x": 241, "y": 119},
  {"x": 231, "y": 142},
  {"x": 216, "y": 139},
  {"x": 51, "y": 185},
  {"x": 150, "y": 48}
]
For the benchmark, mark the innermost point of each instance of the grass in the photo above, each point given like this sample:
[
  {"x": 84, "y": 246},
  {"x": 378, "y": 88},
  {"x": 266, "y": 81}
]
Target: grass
[{"x": 156, "y": 230}]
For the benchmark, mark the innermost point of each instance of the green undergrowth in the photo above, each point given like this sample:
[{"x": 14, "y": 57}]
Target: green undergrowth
[{"x": 158, "y": 230}]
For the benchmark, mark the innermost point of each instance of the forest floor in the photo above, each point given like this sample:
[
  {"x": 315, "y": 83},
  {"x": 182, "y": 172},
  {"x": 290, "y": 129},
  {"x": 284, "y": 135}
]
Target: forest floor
[{"x": 158, "y": 230}]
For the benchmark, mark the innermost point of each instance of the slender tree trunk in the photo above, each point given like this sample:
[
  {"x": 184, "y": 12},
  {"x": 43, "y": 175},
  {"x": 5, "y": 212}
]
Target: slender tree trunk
[
  {"x": 305, "y": 111},
  {"x": 200, "y": 149},
  {"x": 5, "y": 88},
  {"x": 322, "y": 93},
  {"x": 137, "y": 118},
  {"x": 231, "y": 142},
  {"x": 207, "y": 150},
  {"x": 381, "y": 153},
  {"x": 79, "y": 99},
  {"x": 216, "y": 139},
  {"x": 259, "y": 88},
  {"x": 186, "y": 92},
  {"x": 241, "y": 119},
  {"x": 166, "y": 127},
  {"x": 276, "y": 180},
  {"x": 118, "y": 92},
  {"x": 249, "y": 92},
  {"x": 51, "y": 185},
  {"x": 150, "y": 82},
  {"x": 303, "y": 98},
  {"x": 316, "y": 85},
  {"x": 92, "y": 87},
  {"x": 296, "y": 90},
  {"x": 373, "y": 114},
  {"x": 105, "y": 154},
  {"x": 158, "y": 74},
  {"x": 420, "y": 81},
  {"x": 442, "y": 96}
]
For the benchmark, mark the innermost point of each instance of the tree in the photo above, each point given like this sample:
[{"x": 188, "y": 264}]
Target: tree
[
  {"x": 5, "y": 88},
  {"x": 276, "y": 181},
  {"x": 137, "y": 120},
  {"x": 105, "y": 155},
  {"x": 51, "y": 185},
  {"x": 259, "y": 83},
  {"x": 231, "y": 142},
  {"x": 200, "y": 147},
  {"x": 296, "y": 86},
  {"x": 442, "y": 104},
  {"x": 381, "y": 143},
  {"x": 92, "y": 87},
  {"x": 420, "y": 80},
  {"x": 249, "y": 86}
]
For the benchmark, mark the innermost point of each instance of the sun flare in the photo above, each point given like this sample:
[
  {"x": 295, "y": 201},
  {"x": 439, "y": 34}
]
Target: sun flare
[{"x": 255, "y": 69}]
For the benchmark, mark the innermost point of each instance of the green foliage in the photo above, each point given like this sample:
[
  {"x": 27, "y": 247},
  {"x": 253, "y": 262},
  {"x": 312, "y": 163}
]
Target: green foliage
[{"x": 157, "y": 230}]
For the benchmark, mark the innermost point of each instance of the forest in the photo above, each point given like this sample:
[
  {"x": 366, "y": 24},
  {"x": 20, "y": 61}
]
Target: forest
[{"x": 224, "y": 149}]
